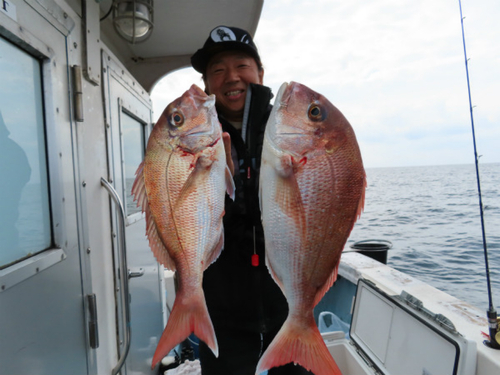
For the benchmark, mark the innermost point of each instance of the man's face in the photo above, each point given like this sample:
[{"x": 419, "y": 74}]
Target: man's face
[{"x": 227, "y": 76}]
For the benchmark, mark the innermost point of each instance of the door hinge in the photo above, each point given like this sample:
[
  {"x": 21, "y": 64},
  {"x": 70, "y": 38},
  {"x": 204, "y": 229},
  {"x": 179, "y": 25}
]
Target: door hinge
[
  {"x": 77, "y": 93},
  {"x": 93, "y": 331}
]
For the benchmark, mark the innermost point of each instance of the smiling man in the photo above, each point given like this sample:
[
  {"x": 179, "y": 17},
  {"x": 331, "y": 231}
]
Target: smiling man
[
  {"x": 228, "y": 76},
  {"x": 246, "y": 306}
]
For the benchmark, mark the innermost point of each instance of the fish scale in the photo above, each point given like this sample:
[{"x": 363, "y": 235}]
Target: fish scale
[{"x": 312, "y": 187}]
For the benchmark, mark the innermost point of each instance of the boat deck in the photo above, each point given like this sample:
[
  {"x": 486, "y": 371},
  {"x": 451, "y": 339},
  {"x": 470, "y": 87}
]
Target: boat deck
[{"x": 468, "y": 320}]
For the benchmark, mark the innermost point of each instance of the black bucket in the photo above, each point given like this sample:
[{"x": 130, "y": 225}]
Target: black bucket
[{"x": 375, "y": 249}]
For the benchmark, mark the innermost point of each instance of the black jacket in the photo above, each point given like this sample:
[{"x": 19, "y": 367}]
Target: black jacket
[{"x": 238, "y": 294}]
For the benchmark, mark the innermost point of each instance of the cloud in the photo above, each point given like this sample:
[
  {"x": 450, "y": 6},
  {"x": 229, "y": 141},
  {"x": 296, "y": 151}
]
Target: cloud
[
  {"x": 395, "y": 68},
  {"x": 173, "y": 86}
]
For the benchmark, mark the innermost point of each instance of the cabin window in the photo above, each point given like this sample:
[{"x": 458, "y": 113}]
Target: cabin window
[
  {"x": 25, "y": 218},
  {"x": 133, "y": 147}
]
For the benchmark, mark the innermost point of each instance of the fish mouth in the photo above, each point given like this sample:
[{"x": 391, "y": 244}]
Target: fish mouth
[
  {"x": 285, "y": 93},
  {"x": 200, "y": 133},
  {"x": 207, "y": 102},
  {"x": 197, "y": 93},
  {"x": 291, "y": 134},
  {"x": 198, "y": 98},
  {"x": 290, "y": 131},
  {"x": 204, "y": 131},
  {"x": 279, "y": 129},
  {"x": 281, "y": 98},
  {"x": 272, "y": 129}
]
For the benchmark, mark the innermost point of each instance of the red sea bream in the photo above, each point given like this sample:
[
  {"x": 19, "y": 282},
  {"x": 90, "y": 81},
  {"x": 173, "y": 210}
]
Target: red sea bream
[
  {"x": 312, "y": 188},
  {"x": 181, "y": 186}
]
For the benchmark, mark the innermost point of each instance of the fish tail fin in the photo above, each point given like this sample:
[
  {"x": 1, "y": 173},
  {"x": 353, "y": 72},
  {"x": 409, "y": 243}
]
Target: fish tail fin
[
  {"x": 189, "y": 315},
  {"x": 302, "y": 347}
]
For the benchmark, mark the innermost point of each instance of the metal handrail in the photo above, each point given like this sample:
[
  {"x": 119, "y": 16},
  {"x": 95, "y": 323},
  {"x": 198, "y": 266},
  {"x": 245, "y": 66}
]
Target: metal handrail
[{"x": 123, "y": 274}]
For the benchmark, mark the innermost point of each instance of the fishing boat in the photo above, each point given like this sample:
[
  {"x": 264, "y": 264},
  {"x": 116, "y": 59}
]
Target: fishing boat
[{"x": 80, "y": 291}]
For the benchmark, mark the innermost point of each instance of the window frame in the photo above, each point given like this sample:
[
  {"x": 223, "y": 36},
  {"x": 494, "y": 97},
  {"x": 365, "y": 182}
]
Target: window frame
[
  {"x": 122, "y": 110},
  {"x": 17, "y": 271}
]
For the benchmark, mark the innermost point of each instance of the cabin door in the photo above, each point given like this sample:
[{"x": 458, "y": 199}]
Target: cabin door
[
  {"x": 128, "y": 117},
  {"x": 44, "y": 283}
]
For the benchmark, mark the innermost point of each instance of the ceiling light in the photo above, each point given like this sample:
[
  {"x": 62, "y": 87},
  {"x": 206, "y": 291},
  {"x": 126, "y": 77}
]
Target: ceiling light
[{"x": 133, "y": 19}]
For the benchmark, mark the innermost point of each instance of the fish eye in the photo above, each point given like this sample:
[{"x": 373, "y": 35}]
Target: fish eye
[
  {"x": 177, "y": 119},
  {"x": 314, "y": 112}
]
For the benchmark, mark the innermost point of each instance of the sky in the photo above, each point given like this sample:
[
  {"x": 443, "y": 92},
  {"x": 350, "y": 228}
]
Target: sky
[{"x": 394, "y": 68}]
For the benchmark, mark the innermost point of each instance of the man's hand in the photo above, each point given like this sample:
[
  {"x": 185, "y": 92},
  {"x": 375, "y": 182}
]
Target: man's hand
[{"x": 226, "y": 138}]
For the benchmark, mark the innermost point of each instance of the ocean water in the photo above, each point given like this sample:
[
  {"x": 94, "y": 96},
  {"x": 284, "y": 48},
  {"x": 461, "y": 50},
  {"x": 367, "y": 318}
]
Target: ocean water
[{"x": 431, "y": 215}]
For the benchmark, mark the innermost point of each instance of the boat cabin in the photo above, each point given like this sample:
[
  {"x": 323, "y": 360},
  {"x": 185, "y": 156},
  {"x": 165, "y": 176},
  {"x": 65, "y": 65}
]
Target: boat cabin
[{"x": 80, "y": 290}]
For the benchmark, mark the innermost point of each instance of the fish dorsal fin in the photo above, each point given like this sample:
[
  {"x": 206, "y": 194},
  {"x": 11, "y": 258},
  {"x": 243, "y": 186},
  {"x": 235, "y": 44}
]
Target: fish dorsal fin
[
  {"x": 139, "y": 188},
  {"x": 157, "y": 246}
]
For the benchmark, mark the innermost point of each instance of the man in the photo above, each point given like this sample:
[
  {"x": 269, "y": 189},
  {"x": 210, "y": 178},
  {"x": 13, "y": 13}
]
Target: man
[{"x": 246, "y": 306}]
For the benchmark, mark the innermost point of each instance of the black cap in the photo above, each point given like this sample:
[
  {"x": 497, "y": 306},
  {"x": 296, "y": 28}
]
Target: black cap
[{"x": 224, "y": 38}]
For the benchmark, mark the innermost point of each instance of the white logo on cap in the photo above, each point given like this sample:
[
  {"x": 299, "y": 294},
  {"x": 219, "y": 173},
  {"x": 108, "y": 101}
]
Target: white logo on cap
[
  {"x": 245, "y": 39},
  {"x": 222, "y": 34}
]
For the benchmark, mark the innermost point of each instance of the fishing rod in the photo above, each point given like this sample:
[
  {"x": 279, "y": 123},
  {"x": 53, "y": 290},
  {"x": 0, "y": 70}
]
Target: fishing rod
[{"x": 494, "y": 341}]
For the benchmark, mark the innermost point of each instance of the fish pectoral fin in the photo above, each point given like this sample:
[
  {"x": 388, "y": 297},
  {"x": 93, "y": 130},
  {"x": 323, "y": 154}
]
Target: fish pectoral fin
[
  {"x": 199, "y": 171},
  {"x": 284, "y": 165},
  {"x": 288, "y": 195},
  {"x": 289, "y": 199},
  {"x": 230, "y": 188}
]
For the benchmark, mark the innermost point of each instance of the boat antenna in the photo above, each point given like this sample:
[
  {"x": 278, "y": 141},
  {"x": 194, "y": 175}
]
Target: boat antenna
[{"x": 494, "y": 341}]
